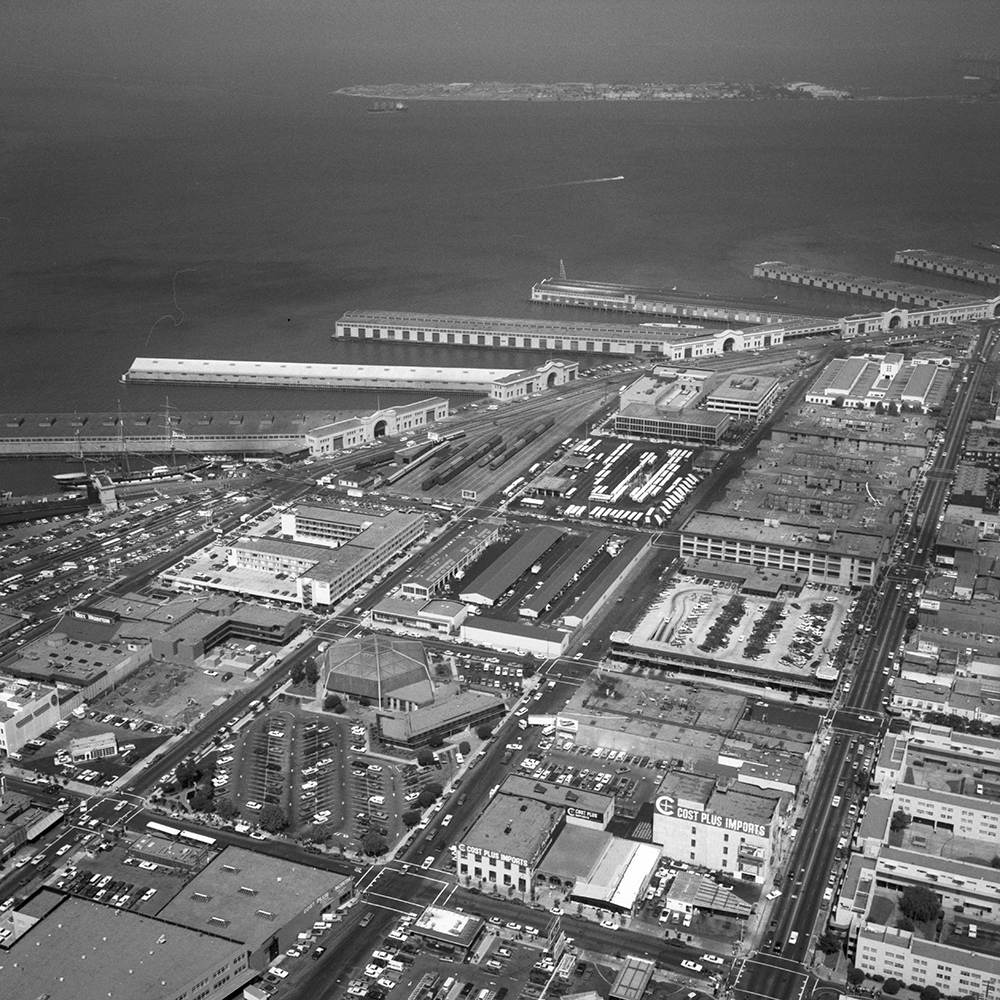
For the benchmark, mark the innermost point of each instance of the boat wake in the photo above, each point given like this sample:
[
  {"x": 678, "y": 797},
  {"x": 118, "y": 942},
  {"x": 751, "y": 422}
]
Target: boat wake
[
  {"x": 592, "y": 180},
  {"x": 589, "y": 180}
]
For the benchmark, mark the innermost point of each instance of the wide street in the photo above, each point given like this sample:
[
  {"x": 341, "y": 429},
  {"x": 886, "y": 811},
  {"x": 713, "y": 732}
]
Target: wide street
[{"x": 780, "y": 969}]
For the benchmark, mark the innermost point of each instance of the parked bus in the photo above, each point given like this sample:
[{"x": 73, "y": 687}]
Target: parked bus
[
  {"x": 164, "y": 831},
  {"x": 198, "y": 838}
]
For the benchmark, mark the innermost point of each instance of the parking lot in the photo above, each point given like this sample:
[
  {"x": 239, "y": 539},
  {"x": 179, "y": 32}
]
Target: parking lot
[
  {"x": 702, "y": 617},
  {"x": 320, "y": 771},
  {"x": 510, "y": 960},
  {"x": 117, "y": 879},
  {"x": 49, "y": 754}
]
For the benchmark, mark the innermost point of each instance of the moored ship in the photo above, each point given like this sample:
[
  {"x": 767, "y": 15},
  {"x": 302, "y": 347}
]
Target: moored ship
[{"x": 380, "y": 106}]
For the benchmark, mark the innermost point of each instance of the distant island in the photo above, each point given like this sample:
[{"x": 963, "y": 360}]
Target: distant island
[{"x": 493, "y": 91}]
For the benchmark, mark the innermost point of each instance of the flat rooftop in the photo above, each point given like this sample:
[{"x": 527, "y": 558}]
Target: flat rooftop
[
  {"x": 502, "y": 326},
  {"x": 278, "y": 371},
  {"x": 83, "y": 949},
  {"x": 448, "y": 925},
  {"x": 253, "y": 894},
  {"x": 787, "y": 533},
  {"x": 744, "y": 389},
  {"x": 518, "y": 828}
]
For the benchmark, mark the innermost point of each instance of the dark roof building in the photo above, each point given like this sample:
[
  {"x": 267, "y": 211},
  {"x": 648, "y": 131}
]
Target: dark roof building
[
  {"x": 83, "y": 949},
  {"x": 440, "y": 720},
  {"x": 632, "y": 980},
  {"x": 256, "y": 899},
  {"x": 493, "y": 582},
  {"x": 390, "y": 673}
]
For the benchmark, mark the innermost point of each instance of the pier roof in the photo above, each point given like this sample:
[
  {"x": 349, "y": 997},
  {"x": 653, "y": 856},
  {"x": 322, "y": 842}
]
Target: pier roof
[{"x": 291, "y": 371}]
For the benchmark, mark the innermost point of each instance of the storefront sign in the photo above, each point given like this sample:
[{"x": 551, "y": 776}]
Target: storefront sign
[{"x": 667, "y": 805}]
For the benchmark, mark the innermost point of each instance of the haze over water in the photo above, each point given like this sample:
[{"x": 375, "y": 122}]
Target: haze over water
[{"x": 178, "y": 180}]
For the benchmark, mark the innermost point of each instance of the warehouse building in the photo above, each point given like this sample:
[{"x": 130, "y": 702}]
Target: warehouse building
[
  {"x": 78, "y": 948},
  {"x": 260, "y": 901},
  {"x": 500, "y": 383},
  {"x": 886, "y": 380},
  {"x": 594, "y": 868},
  {"x": 514, "y": 637},
  {"x": 451, "y": 559},
  {"x": 552, "y": 335},
  {"x": 633, "y": 978},
  {"x": 592, "y": 810},
  {"x": 585, "y": 550},
  {"x": 494, "y": 581},
  {"x": 722, "y": 824}
]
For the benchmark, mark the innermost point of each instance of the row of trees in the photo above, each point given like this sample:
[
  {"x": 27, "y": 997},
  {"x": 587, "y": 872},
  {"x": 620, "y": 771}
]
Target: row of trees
[{"x": 308, "y": 672}]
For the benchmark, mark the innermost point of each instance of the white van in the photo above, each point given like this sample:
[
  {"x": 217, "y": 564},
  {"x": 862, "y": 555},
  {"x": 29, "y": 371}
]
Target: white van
[{"x": 377, "y": 800}]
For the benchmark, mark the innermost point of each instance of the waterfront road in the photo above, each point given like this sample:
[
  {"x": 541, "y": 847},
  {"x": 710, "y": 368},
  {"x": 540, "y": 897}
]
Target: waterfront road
[{"x": 779, "y": 968}]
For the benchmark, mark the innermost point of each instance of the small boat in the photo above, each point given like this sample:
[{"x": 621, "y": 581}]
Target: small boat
[
  {"x": 995, "y": 247},
  {"x": 380, "y": 106}
]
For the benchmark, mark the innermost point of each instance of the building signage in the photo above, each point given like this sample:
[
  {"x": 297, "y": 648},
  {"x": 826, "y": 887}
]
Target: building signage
[
  {"x": 588, "y": 814},
  {"x": 667, "y": 805}
]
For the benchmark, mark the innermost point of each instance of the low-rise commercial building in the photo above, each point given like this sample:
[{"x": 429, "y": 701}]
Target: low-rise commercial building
[
  {"x": 451, "y": 714},
  {"x": 506, "y": 843},
  {"x": 444, "y": 617},
  {"x": 94, "y": 747}
]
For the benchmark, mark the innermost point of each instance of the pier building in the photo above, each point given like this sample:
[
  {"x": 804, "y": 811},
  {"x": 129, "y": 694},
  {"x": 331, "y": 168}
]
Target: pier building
[
  {"x": 953, "y": 267},
  {"x": 676, "y": 344},
  {"x": 249, "y": 432},
  {"x": 896, "y": 292},
  {"x": 658, "y": 302},
  {"x": 498, "y": 383}
]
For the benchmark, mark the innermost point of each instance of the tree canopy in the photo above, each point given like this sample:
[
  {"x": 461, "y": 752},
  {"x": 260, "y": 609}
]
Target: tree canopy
[
  {"x": 273, "y": 818},
  {"x": 373, "y": 843},
  {"x": 900, "y": 821},
  {"x": 919, "y": 903},
  {"x": 226, "y": 810}
]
